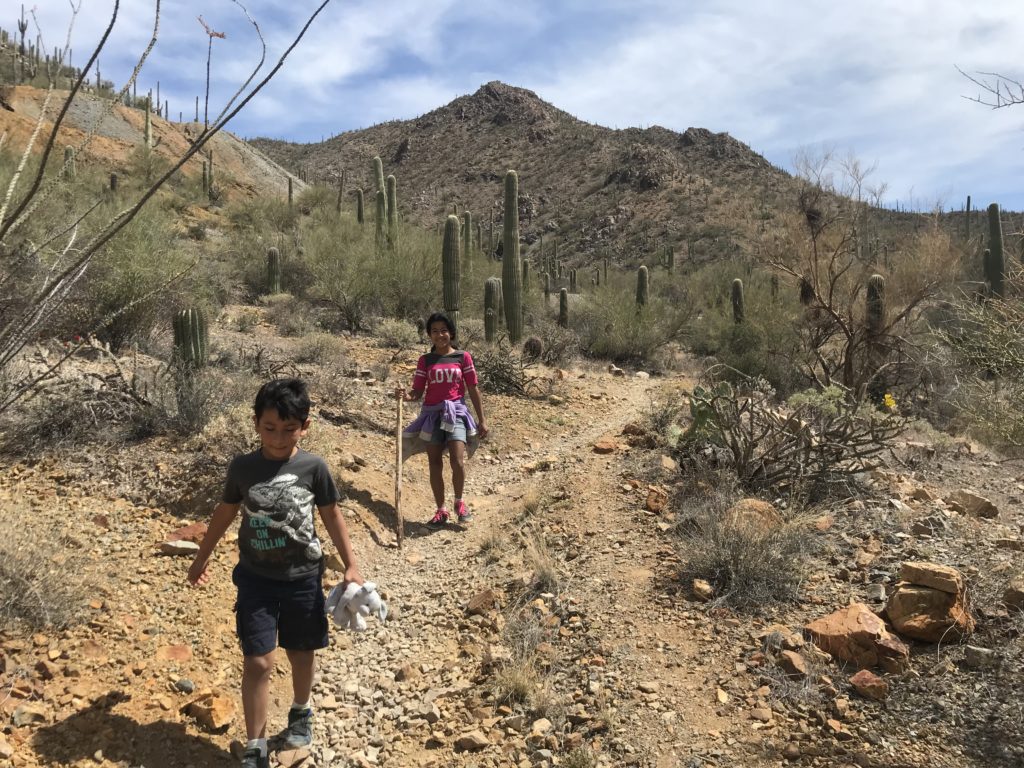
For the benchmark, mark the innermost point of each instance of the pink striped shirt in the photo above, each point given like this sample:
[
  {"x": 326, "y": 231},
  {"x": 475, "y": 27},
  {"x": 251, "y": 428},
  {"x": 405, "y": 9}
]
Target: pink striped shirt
[{"x": 444, "y": 377}]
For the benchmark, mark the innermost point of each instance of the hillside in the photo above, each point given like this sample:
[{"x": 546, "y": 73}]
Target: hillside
[
  {"x": 241, "y": 170},
  {"x": 625, "y": 193}
]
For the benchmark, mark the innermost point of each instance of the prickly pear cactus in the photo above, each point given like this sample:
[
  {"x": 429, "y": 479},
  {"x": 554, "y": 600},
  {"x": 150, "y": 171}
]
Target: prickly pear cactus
[
  {"x": 512, "y": 267},
  {"x": 450, "y": 274},
  {"x": 273, "y": 270},
  {"x": 191, "y": 338}
]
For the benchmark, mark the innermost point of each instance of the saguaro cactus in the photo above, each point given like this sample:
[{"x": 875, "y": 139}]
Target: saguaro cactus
[
  {"x": 995, "y": 266},
  {"x": 69, "y": 163},
  {"x": 450, "y": 269},
  {"x": 511, "y": 267},
  {"x": 492, "y": 301},
  {"x": 273, "y": 270},
  {"x": 191, "y": 338},
  {"x": 360, "y": 213},
  {"x": 874, "y": 306},
  {"x": 291, "y": 193},
  {"x": 391, "y": 207},
  {"x": 381, "y": 220},
  {"x": 738, "y": 309},
  {"x": 563, "y": 308},
  {"x": 467, "y": 241},
  {"x": 547, "y": 287},
  {"x": 642, "y": 287},
  {"x": 378, "y": 179},
  {"x": 526, "y": 276}
]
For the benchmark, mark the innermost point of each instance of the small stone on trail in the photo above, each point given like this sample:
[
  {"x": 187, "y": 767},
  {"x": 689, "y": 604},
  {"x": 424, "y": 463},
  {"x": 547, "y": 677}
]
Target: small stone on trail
[
  {"x": 176, "y": 548},
  {"x": 869, "y": 685}
]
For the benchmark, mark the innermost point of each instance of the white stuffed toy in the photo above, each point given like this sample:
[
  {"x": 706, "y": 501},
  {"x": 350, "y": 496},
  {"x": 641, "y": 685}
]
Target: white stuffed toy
[{"x": 349, "y": 607}]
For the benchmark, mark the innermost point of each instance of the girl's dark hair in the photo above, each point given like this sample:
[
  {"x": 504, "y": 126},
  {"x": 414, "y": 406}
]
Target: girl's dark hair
[
  {"x": 441, "y": 317},
  {"x": 289, "y": 397}
]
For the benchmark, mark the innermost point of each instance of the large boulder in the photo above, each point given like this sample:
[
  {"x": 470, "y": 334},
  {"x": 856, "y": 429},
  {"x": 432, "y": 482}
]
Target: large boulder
[
  {"x": 855, "y": 634},
  {"x": 973, "y": 504},
  {"x": 929, "y": 603}
]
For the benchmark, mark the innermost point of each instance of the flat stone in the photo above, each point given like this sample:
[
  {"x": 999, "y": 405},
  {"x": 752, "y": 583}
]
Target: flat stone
[
  {"x": 973, "y": 504},
  {"x": 941, "y": 577},
  {"x": 855, "y": 634},
  {"x": 869, "y": 685}
]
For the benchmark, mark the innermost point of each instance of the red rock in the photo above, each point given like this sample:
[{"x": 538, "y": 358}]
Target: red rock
[
  {"x": 793, "y": 664},
  {"x": 869, "y": 685},
  {"x": 927, "y": 614},
  {"x": 605, "y": 446},
  {"x": 194, "y": 533},
  {"x": 940, "y": 577},
  {"x": 973, "y": 504},
  {"x": 481, "y": 602},
  {"x": 754, "y": 513},
  {"x": 212, "y": 711},
  {"x": 657, "y": 499},
  {"x": 857, "y": 635},
  {"x": 174, "y": 653}
]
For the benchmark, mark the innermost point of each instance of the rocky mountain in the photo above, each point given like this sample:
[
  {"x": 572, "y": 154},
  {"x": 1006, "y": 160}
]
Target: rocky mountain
[{"x": 623, "y": 193}]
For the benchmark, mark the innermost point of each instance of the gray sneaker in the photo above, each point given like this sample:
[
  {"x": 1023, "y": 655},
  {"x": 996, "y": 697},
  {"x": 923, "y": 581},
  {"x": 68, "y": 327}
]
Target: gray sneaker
[
  {"x": 299, "y": 732},
  {"x": 253, "y": 759}
]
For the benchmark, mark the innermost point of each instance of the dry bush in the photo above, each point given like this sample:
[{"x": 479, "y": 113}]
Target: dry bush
[
  {"x": 504, "y": 372},
  {"x": 542, "y": 562},
  {"x": 321, "y": 349},
  {"x": 397, "y": 334},
  {"x": 43, "y": 580},
  {"x": 750, "y": 566}
]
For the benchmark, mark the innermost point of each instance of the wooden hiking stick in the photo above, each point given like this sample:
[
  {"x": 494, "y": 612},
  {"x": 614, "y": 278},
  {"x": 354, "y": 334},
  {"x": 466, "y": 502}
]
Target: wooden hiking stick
[{"x": 399, "y": 520}]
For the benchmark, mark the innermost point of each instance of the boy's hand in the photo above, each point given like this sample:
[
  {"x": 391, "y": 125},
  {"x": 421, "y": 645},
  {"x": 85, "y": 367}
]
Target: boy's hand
[
  {"x": 197, "y": 575},
  {"x": 352, "y": 574}
]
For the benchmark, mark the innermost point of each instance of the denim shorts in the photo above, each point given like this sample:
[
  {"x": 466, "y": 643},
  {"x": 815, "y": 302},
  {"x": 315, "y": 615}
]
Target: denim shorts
[
  {"x": 269, "y": 613},
  {"x": 440, "y": 436}
]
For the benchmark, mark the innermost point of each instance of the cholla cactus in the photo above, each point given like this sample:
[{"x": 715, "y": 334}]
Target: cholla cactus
[
  {"x": 191, "y": 338},
  {"x": 273, "y": 270},
  {"x": 995, "y": 266},
  {"x": 642, "y": 287},
  {"x": 563, "y": 308},
  {"x": 450, "y": 274},
  {"x": 512, "y": 268},
  {"x": 492, "y": 298},
  {"x": 738, "y": 309}
]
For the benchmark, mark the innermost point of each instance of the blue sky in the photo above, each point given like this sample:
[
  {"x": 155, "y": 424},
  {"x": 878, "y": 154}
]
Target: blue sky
[{"x": 874, "y": 79}]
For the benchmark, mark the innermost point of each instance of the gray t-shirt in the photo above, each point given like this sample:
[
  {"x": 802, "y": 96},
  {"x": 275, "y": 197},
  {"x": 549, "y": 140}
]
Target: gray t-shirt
[{"x": 277, "y": 538}]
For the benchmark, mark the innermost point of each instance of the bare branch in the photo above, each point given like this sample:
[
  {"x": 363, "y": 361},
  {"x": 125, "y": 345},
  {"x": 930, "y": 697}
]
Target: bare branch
[{"x": 998, "y": 90}]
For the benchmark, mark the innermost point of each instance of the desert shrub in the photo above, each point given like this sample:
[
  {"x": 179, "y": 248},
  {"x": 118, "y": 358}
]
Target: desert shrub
[
  {"x": 821, "y": 441},
  {"x": 397, "y": 333},
  {"x": 43, "y": 580},
  {"x": 289, "y": 314},
  {"x": 611, "y": 327},
  {"x": 471, "y": 332},
  {"x": 560, "y": 345},
  {"x": 320, "y": 348},
  {"x": 750, "y": 565},
  {"x": 533, "y": 348},
  {"x": 124, "y": 295},
  {"x": 503, "y": 371},
  {"x": 264, "y": 214}
]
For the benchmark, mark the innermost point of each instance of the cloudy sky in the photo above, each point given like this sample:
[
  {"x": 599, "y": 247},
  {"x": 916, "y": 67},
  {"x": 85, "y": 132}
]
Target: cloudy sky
[{"x": 875, "y": 79}]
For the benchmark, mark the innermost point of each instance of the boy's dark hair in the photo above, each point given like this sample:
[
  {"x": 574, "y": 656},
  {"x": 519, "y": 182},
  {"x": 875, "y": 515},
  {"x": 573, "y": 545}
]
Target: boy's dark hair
[
  {"x": 441, "y": 317},
  {"x": 289, "y": 397}
]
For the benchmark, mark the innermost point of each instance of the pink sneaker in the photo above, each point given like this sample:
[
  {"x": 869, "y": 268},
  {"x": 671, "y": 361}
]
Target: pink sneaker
[
  {"x": 461, "y": 512},
  {"x": 440, "y": 518}
]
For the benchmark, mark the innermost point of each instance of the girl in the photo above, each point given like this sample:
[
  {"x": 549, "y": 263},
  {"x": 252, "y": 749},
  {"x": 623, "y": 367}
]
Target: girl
[{"x": 446, "y": 375}]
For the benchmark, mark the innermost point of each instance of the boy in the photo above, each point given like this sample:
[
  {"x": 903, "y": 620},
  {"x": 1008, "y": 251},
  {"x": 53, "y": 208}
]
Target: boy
[{"x": 280, "y": 597}]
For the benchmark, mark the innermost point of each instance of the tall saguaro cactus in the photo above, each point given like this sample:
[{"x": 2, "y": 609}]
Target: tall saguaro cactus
[
  {"x": 378, "y": 174},
  {"x": 191, "y": 338},
  {"x": 467, "y": 241},
  {"x": 273, "y": 270},
  {"x": 381, "y": 220},
  {"x": 642, "y": 287},
  {"x": 391, "y": 208},
  {"x": 738, "y": 306},
  {"x": 492, "y": 301},
  {"x": 563, "y": 308},
  {"x": 450, "y": 269},
  {"x": 874, "y": 306},
  {"x": 995, "y": 266},
  {"x": 360, "y": 213},
  {"x": 512, "y": 267}
]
